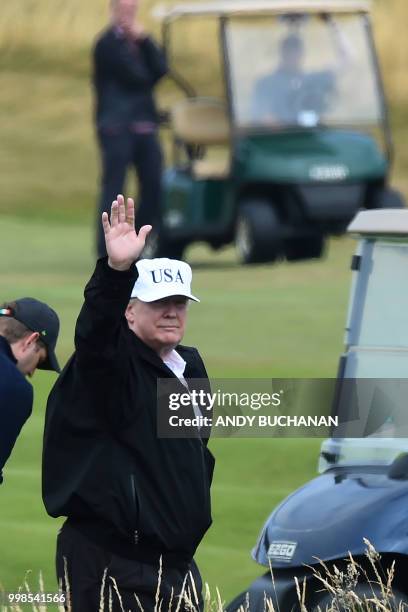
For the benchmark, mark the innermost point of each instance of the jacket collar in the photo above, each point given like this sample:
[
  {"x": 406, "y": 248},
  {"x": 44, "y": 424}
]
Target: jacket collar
[
  {"x": 5, "y": 349},
  {"x": 149, "y": 355}
]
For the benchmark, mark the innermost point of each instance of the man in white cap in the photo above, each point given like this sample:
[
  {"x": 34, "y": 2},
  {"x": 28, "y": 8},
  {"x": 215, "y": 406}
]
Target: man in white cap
[{"x": 136, "y": 503}]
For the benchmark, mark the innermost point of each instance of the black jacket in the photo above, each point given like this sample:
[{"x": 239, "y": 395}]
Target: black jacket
[
  {"x": 16, "y": 402},
  {"x": 124, "y": 77},
  {"x": 103, "y": 465}
]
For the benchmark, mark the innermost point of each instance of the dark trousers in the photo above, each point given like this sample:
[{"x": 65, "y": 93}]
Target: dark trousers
[
  {"x": 119, "y": 151},
  {"x": 95, "y": 579}
]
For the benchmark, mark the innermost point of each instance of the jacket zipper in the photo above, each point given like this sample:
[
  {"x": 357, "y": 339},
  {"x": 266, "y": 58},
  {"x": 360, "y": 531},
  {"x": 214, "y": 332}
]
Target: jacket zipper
[
  {"x": 134, "y": 503},
  {"x": 206, "y": 479}
]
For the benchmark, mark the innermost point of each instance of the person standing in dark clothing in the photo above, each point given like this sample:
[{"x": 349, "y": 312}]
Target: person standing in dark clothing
[
  {"x": 28, "y": 335},
  {"x": 127, "y": 66},
  {"x": 137, "y": 504}
]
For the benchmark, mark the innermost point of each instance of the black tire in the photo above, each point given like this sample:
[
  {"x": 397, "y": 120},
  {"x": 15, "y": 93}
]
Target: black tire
[
  {"x": 305, "y": 247},
  {"x": 237, "y": 603},
  {"x": 159, "y": 246},
  {"x": 250, "y": 602},
  {"x": 258, "y": 233},
  {"x": 390, "y": 198},
  {"x": 362, "y": 590}
]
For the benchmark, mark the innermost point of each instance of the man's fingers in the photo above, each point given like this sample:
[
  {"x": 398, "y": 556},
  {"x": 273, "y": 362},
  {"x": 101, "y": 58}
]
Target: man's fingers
[
  {"x": 105, "y": 222},
  {"x": 130, "y": 213},
  {"x": 144, "y": 232},
  {"x": 114, "y": 213},
  {"x": 122, "y": 209}
]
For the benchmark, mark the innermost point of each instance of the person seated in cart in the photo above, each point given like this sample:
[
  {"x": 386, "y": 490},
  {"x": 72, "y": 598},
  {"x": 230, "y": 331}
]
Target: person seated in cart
[{"x": 293, "y": 95}]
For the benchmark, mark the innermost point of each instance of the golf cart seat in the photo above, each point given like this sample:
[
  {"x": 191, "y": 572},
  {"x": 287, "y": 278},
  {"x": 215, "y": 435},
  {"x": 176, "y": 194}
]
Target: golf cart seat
[
  {"x": 203, "y": 122},
  {"x": 211, "y": 168}
]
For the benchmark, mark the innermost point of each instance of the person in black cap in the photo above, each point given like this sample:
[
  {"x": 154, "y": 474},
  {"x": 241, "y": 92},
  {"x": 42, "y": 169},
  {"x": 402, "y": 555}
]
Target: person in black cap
[{"x": 28, "y": 335}]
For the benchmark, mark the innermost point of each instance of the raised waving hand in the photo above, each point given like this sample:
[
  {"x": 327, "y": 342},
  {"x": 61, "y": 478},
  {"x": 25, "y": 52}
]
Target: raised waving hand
[{"x": 123, "y": 244}]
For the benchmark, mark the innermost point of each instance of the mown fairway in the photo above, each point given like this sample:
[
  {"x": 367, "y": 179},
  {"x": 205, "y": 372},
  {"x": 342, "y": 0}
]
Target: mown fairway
[{"x": 264, "y": 321}]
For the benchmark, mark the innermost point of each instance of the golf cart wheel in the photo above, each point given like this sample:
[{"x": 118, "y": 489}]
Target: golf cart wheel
[
  {"x": 390, "y": 198},
  {"x": 238, "y": 603},
  {"x": 364, "y": 591},
  {"x": 258, "y": 232},
  {"x": 255, "y": 602},
  {"x": 304, "y": 247},
  {"x": 158, "y": 246}
]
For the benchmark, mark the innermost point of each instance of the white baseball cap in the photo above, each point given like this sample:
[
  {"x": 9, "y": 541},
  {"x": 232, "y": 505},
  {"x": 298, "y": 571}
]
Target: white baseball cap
[{"x": 162, "y": 277}]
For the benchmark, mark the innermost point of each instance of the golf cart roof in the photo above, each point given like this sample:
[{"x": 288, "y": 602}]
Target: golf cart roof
[
  {"x": 251, "y": 7},
  {"x": 382, "y": 222}
]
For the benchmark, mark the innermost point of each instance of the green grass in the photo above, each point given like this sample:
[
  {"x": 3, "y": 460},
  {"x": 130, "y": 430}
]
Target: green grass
[{"x": 283, "y": 320}]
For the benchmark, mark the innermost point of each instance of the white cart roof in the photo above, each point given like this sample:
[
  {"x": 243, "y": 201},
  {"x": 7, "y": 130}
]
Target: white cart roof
[
  {"x": 271, "y": 7},
  {"x": 393, "y": 222}
]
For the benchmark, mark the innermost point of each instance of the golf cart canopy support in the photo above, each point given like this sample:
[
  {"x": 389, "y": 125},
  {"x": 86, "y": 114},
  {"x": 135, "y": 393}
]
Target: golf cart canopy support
[
  {"x": 380, "y": 223},
  {"x": 230, "y": 8}
]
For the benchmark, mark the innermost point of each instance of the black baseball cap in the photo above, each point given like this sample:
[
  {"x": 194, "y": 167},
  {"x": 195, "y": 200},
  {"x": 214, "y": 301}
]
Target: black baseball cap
[{"x": 38, "y": 317}]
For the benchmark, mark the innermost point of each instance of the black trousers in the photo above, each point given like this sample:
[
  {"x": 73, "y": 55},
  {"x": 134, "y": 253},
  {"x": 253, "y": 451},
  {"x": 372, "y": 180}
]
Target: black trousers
[
  {"x": 119, "y": 151},
  {"x": 94, "y": 579}
]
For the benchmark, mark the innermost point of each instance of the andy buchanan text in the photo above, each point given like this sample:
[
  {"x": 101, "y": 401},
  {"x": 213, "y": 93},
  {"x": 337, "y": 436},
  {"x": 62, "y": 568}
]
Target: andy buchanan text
[{"x": 254, "y": 421}]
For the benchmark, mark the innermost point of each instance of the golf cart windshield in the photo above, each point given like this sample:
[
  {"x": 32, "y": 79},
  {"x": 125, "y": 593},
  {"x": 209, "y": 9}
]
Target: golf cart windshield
[
  {"x": 291, "y": 71},
  {"x": 373, "y": 397}
]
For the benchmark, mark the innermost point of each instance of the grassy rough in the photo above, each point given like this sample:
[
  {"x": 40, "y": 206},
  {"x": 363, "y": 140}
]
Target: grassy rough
[{"x": 338, "y": 584}]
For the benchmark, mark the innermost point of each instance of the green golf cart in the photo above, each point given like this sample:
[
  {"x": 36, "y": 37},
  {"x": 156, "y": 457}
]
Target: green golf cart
[{"x": 296, "y": 141}]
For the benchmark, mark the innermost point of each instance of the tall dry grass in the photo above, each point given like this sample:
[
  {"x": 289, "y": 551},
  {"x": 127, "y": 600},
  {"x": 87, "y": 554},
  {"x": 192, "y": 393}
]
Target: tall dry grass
[
  {"x": 63, "y": 27},
  {"x": 338, "y": 584},
  {"x": 390, "y": 20}
]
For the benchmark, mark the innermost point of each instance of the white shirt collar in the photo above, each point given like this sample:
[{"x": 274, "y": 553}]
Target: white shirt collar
[{"x": 175, "y": 363}]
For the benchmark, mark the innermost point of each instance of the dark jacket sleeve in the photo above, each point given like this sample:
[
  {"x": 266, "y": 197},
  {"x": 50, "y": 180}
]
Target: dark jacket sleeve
[
  {"x": 115, "y": 56},
  {"x": 16, "y": 407},
  {"x": 155, "y": 57},
  {"x": 98, "y": 328}
]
